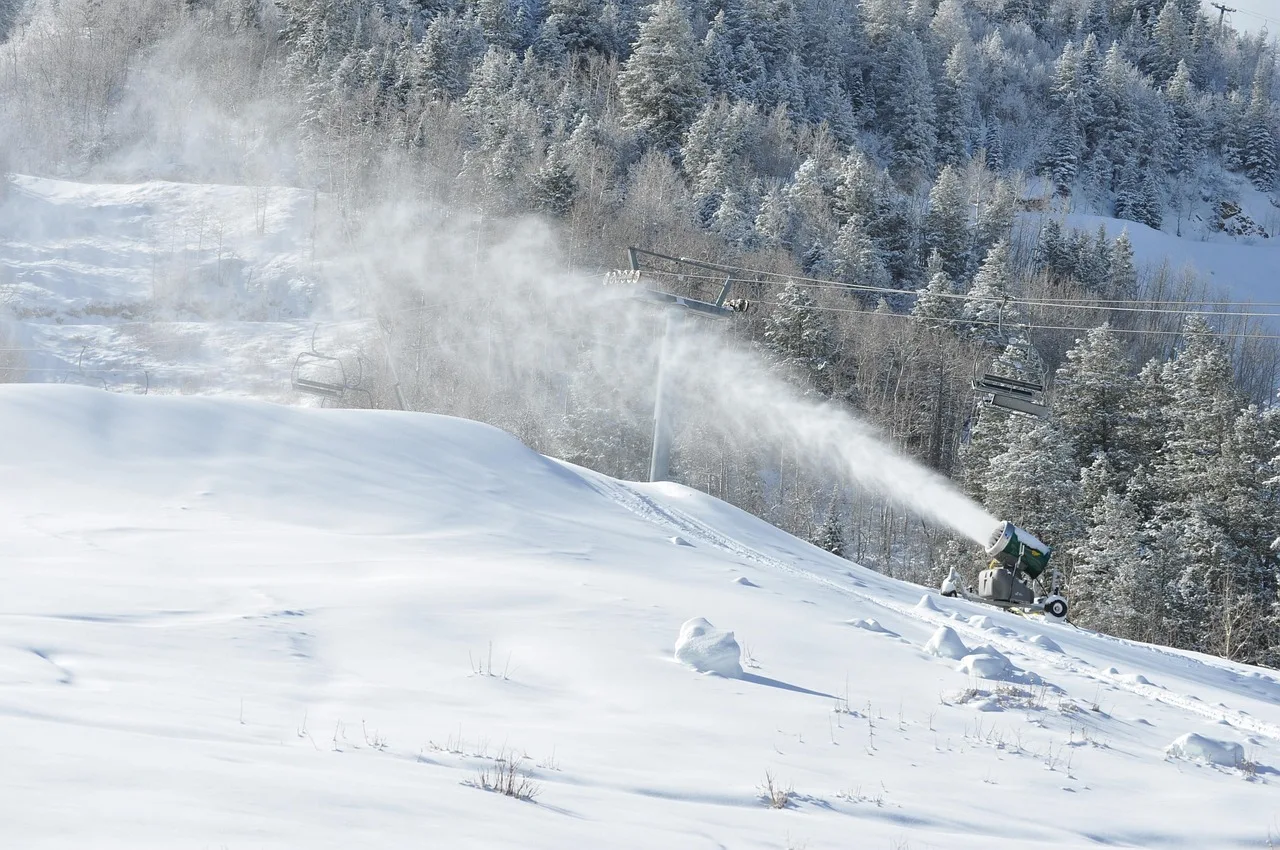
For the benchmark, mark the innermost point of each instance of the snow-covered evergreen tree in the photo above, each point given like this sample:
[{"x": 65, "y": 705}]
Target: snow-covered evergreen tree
[
  {"x": 800, "y": 336},
  {"x": 987, "y": 315},
  {"x": 660, "y": 86},
  {"x": 857, "y": 262},
  {"x": 1092, "y": 391},
  {"x": 936, "y": 305},
  {"x": 946, "y": 224},
  {"x": 1258, "y": 158},
  {"x": 1035, "y": 480}
]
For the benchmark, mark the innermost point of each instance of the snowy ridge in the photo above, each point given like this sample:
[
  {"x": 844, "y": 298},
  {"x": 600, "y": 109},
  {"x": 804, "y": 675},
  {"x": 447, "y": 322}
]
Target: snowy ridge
[{"x": 239, "y": 624}]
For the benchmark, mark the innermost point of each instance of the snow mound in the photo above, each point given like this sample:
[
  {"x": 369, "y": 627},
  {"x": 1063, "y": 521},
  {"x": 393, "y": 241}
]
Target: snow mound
[
  {"x": 1200, "y": 748},
  {"x": 926, "y": 604},
  {"x": 1135, "y": 679},
  {"x": 945, "y": 643},
  {"x": 871, "y": 626},
  {"x": 1046, "y": 643},
  {"x": 679, "y": 541},
  {"x": 745, "y": 582},
  {"x": 980, "y": 622},
  {"x": 709, "y": 650},
  {"x": 987, "y": 663}
]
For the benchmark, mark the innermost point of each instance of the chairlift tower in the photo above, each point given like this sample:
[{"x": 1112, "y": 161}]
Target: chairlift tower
[{"x": 676, "y": 307}]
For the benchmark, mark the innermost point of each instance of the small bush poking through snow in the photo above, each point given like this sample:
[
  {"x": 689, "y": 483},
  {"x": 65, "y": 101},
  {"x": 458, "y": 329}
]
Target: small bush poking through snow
[
  {"x": 773, "y": 794},
  {"x": 506, "y": 777},
  {"x": 708, "y": 650},
  {"x": 1200, "y": 748}
]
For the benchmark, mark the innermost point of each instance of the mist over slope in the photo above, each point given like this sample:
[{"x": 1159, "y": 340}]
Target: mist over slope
[{"x": 239, "y": 623}]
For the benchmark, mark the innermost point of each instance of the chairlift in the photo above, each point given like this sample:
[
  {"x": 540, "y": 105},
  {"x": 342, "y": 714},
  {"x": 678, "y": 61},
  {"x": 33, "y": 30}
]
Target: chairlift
[
  {"x": 1014, "y": 395},
  {"x": 321, "y": 375}
]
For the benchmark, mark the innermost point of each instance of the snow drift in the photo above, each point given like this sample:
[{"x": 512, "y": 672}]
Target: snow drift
[
  {"x": 1203, "y": 748},
  {"x": 708, "y": 650}
]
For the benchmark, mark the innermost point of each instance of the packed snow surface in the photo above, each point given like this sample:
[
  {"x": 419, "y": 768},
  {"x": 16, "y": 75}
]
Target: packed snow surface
[{"x": 235, "y": 624}]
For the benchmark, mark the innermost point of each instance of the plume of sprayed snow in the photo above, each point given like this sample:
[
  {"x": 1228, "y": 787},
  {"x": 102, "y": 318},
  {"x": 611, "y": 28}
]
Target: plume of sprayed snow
[{"x": 755, "y": 400}]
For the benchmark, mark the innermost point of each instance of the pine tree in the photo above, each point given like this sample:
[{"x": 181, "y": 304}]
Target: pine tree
[
  {"x": 1188, "y": 125},
  {"x": 936, "y": 305},
  {"x": 1122, "y": 277},
  {"x": 986, "y": 314},
  {"x": 450, "y": 48},
  {"x": 1171, "y": 45},
  {"x": 994, "y": 145},
  {"x": 497, "y": 22},
  {"x": 829, "y": 536},
  {"x": 554, "y": 187},
  {"x": 798, "y": 333},
  {"x": 660, "y": 86},
  {"x": 857, "y": 262},
  {"x": 734, "y": 219},
  {"x": 1054, "y": 254},
  {"x": 572, "y": 28},
  {"x": 946, "y": 224},
  {"x": 907, "y": 108},
  {"x": 1061, "y": 161},
  {"x": 957, "y": 106},
  {"x": 1258, "y": 158},
  {"x": 1112, "y": 585},
  {"x": 774, "y": 223},
  {"x": 1034, "y": 479},
  {"x": 1091, "y": 390}
]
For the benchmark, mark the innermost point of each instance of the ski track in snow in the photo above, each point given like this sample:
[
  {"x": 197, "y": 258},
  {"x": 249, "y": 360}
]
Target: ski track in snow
[{"x": 688, "y": 526}]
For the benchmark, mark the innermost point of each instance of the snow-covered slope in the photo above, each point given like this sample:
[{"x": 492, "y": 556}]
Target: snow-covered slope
[
  {"x": 180, "y": 287},
  {"x": 232, "y": 624},
  {"x": 1245, "y": 271}
]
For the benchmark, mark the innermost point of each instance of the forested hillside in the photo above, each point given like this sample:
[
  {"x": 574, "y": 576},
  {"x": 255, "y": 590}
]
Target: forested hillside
[{"x": 889, "y": 179}]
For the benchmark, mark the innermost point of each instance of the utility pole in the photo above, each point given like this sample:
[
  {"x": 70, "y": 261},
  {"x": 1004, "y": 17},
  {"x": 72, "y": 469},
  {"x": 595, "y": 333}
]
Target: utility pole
[{"x": 676, "y": 308}]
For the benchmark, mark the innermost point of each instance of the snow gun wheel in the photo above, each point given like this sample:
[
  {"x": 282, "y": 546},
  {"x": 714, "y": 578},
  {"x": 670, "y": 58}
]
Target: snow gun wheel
[{"x": 1056, "y": 606}]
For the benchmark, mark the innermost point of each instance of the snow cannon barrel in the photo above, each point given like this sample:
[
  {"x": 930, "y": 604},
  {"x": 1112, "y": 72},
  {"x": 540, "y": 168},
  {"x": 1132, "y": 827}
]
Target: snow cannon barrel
[{"x": 1016, "y": 547}]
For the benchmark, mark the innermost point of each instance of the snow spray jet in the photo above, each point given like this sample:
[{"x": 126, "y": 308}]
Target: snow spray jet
[{"x": 758, "y": 401}]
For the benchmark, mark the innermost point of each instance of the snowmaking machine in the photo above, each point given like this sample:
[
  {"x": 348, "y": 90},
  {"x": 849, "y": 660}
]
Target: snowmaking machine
[{"x": 1013, "y": 579}]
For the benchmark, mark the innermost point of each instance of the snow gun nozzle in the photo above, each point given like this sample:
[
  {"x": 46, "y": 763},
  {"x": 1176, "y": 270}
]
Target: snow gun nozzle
[{"x": 1012, "y": 546}]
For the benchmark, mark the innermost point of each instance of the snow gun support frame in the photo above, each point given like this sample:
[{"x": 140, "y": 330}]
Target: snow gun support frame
[{"x": 1018, "y": 563}]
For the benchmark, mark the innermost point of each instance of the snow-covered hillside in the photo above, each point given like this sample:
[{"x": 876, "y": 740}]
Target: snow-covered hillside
[
  {"x": 179, "y": 287},
  {"x": 228, "y": 623},
  {"x": 1245, "y": 270}
]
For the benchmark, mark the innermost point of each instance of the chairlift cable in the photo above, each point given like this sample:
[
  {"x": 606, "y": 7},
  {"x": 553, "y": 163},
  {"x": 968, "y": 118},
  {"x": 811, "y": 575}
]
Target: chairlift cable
[
  {"x": 1113, "y": 305},
  {"x": 989, "y": 323}
]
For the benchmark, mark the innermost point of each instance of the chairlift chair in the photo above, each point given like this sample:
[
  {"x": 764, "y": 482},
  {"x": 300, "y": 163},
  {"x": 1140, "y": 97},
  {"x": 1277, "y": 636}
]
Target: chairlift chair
[
  {"x": 319, "y": 374},
  {"x": 1015, "y": 395}
]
